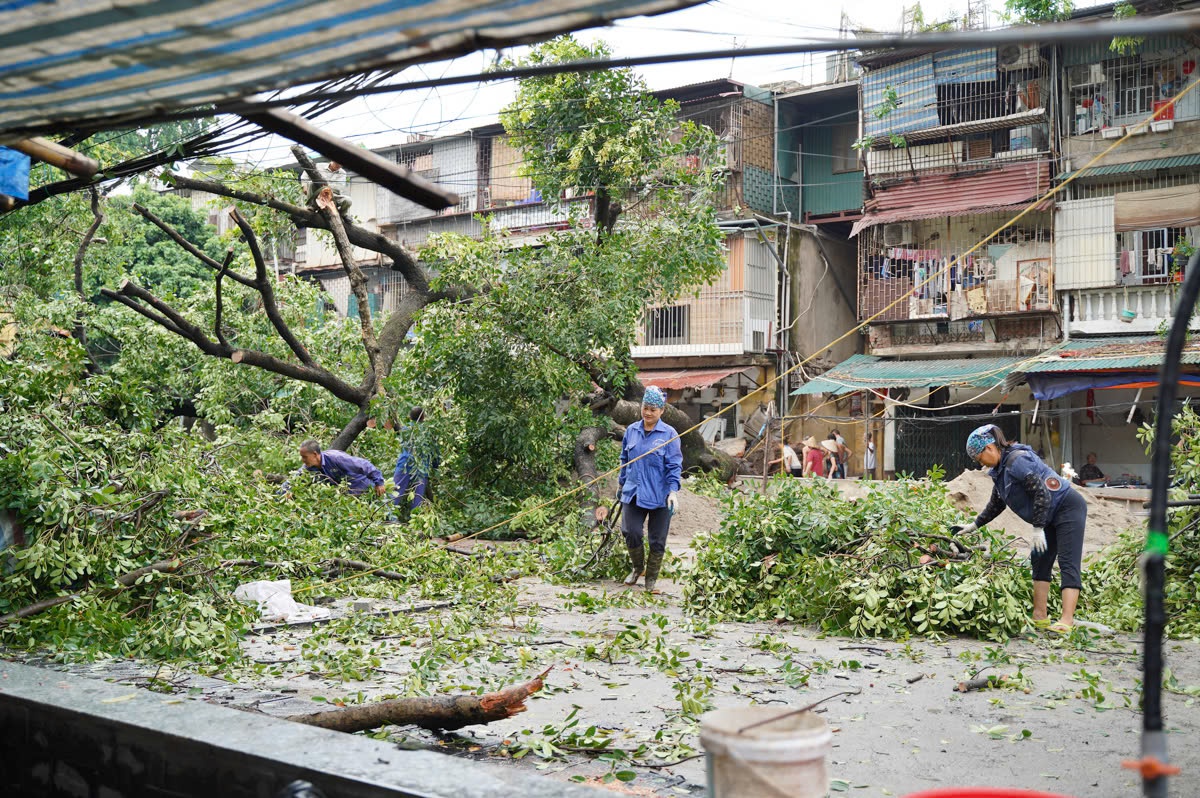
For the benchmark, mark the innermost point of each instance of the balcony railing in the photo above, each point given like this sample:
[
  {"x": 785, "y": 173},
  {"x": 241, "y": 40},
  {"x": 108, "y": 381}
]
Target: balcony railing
[{"x": 1133, "y": 309}]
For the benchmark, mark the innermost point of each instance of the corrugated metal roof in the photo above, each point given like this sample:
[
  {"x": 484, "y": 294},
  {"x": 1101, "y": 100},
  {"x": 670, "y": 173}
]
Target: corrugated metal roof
[
  {"x": 1151, "y": 165},
  {"x": 930, "y": 196},
  {"x": 1134, "y": 352},
  {"x": 861, "y": 372},
  {"x": 65, "y": 62}
]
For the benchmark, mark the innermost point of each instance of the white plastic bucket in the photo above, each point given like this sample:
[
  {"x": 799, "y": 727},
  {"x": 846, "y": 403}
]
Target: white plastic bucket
[{"x": 784, "y": 758}]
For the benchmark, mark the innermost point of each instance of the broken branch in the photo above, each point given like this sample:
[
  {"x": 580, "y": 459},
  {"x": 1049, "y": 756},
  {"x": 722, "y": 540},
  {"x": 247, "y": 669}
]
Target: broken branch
[{"x": 436, "y": 712}]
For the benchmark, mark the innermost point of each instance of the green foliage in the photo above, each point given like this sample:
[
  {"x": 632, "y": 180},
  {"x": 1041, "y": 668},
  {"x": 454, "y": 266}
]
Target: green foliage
[
  {"x": 1111, "y": 592},
  {"x": 1125, "y": 44},
  {"x": 803, "y": 553},
  {"x": 1031, "y": 12},
  {"x": 138, "y": 249}
]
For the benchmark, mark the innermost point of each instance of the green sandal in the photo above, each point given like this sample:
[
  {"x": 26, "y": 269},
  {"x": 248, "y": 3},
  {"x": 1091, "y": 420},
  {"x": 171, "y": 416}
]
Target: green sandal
[{"x": 1040, "y": 623}]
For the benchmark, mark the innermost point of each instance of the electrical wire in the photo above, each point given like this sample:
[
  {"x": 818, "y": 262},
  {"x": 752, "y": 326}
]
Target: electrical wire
[{"x": 1195, "y": 274}]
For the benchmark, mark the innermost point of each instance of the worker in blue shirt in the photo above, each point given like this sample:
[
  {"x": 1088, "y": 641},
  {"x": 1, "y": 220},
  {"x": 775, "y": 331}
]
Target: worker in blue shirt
[
  {"x": 651, "y": 467},
  {"x": 1055, "y": 510},
  {"x": 336, "y": 467},
  {"x": 418, "y": 458}
]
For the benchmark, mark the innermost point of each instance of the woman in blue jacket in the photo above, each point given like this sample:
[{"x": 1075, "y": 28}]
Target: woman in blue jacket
[
  {"x": 1057, "y": 513},
  {"x": 651, "y": 467}
]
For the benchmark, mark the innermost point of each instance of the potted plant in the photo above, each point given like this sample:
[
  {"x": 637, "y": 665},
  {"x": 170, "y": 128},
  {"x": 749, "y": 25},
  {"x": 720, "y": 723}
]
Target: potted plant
[{"x": 1179, "y": 258}]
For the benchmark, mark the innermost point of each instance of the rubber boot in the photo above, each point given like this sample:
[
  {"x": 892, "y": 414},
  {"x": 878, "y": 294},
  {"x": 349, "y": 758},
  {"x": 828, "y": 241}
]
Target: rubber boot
[
  {"x": 653, "y": 564},
  {"x": 637, "y": 556}
]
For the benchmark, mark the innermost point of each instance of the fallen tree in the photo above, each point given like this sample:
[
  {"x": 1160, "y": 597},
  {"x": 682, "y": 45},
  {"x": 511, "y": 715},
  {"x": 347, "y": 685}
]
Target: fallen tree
[{"x": 439, "y": 713}]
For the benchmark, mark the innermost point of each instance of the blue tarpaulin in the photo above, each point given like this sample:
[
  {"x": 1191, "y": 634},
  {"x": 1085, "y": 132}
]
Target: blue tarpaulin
[
  {"x": 14, "y": 173},
  {"x": 1048, "y": 386}
]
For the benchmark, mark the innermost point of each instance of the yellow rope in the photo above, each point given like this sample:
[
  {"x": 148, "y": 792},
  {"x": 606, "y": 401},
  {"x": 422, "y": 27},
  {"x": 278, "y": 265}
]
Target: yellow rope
[{"x": 958, "y": 259}]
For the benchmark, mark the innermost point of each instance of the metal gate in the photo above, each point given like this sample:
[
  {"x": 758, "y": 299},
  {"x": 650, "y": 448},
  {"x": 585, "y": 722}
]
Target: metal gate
[{"x": 938, "y": 437}]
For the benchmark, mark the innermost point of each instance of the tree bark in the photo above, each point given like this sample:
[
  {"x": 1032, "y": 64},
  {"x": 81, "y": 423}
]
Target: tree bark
[
  {"x": 437, "y": 712},
  {"x": 586, "y": 470},
  {"x": 85, "y": 242}
]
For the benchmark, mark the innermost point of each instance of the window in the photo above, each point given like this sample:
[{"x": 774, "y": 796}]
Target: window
[
  {"x": 666, "y": 326},
  {"x": 845, "y": 157},
  {"x": 1147, "y": 256},
  {"x": 1133, "y": 90}
]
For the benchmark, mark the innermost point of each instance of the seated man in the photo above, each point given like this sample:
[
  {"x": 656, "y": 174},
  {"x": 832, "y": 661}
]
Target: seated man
[
  {"x": 1090, "y": 472},
  {"x": 337, "y": 467}
]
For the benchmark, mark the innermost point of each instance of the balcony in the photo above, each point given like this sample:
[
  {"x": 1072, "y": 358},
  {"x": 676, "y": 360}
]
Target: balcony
[
  {"x": 731, "y": 316},
  {"x": 1109, "y": 311}
]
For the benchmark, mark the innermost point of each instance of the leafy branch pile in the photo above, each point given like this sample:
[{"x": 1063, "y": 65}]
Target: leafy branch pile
[
  {"x": 878, "y": 566},
  {"x": 1112, "y": 593}
]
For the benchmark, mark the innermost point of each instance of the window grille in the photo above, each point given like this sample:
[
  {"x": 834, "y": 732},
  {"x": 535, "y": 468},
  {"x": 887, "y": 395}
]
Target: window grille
[{"x": 667, "y": 326}]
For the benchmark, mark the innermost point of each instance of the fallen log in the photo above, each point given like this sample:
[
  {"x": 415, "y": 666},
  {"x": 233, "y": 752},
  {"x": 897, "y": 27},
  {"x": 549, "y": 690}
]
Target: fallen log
[{"x": 436, "y": 713}]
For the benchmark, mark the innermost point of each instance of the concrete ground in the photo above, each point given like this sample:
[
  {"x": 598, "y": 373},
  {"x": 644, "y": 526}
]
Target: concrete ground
[{"x": 624, "y": 662}]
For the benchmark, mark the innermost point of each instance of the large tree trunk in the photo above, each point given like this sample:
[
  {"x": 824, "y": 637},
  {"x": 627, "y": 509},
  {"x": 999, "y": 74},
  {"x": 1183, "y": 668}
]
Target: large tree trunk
[{"x": 437, "y": 712}]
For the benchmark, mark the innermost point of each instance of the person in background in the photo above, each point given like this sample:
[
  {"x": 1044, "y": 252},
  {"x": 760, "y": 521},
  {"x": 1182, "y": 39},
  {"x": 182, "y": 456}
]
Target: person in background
[
  {"x": 336, "y": 466},
  {"x": 833, "y": 466},
  {"x": 869, "y": 456},
  {"x": 791, "y": 462},
  {"x": 814, "y": 459},
  {"x": 843, "y": 452},
  {"x": 649, "y": 481},
  {"x": 1055, "y": 510},
  {"x": 417, "y": 460},
  {"x": 1090, "y": 472}
]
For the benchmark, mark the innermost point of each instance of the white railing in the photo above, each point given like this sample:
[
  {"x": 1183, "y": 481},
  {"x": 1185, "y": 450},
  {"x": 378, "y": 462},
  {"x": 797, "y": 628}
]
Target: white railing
[{"x": 1099, "y": 311}]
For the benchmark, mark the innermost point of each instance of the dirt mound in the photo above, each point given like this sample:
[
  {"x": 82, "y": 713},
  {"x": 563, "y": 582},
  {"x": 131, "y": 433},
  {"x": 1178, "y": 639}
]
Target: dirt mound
[
  {"x": 696, "y": 514},
  {"x": 971, "y": 490}
]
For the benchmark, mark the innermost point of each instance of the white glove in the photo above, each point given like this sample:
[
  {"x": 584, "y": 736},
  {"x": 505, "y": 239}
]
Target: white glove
[
  {"x": 672, "y": 502},
  {"x": 1038, "y": 542},
  {"x": 963, "y": 530}
]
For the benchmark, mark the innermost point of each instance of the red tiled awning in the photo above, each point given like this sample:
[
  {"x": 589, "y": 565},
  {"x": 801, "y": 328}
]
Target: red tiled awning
[
  {"x": 1011, "y": 187},
  {"x": 674, "y": 379}
]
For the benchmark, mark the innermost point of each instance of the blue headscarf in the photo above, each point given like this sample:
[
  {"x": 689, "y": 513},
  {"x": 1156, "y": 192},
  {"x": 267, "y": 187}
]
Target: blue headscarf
[
  {"x": 978, "y": 440},
  {"x": 654, "y": 397}
]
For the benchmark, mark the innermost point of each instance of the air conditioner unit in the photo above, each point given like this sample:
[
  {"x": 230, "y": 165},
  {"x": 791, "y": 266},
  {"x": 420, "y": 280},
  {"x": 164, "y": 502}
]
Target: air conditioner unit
[
  {"x": 895, "y": 235},
  {"x": 1017, "y": 56},
  {"x": 1087, "y": 75}
]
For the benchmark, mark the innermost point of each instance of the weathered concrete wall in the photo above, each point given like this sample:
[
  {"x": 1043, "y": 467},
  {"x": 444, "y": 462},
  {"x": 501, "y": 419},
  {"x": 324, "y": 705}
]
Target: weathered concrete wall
[
  {"x": 63, "y": 735},
  {"x": 823, "y": 303}
]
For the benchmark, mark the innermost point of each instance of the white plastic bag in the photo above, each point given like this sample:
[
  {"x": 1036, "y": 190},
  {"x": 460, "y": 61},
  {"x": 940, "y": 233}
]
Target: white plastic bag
[{"x": 275, "y": 602}]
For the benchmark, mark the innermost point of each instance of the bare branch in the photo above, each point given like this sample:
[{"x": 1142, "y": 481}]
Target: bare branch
[
  {"x": 402, "y": 260},
  {"x": 143, "y": 310},
  {"x": 189, "y": 247},
  {"x": 358, "y": 281},
  {"x": 266, "y": 287},
  {"x": 87, "y": 240},
  {"x": 175, "y": 323},
  {"x": 220, "y": 306}
]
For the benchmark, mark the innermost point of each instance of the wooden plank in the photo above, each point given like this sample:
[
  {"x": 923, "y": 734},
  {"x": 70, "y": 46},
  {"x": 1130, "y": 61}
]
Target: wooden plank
[{"x": 394, "y": 177}]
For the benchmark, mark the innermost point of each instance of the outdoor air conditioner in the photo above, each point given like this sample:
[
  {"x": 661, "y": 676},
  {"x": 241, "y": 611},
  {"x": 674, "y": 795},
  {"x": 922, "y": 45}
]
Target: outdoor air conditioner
[
  {"x": 895, "y": 235},
  {"x": 1017, "y": 56},
  {"x": 1087, "y": 75}
]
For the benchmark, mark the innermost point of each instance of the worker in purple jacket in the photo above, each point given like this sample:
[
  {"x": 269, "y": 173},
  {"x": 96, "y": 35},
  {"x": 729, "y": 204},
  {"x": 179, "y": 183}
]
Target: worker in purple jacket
[{"x": 337, "y": 467}]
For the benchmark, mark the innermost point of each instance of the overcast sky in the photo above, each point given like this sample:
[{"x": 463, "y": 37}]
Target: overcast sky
[{"x": 390, "y": 119}]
